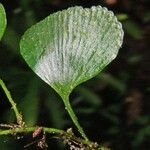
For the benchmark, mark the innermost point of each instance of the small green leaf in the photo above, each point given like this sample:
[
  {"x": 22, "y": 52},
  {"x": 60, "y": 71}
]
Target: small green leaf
[
  {"x": 72, "y": 46},
  {"x": 2, "y": 20}
]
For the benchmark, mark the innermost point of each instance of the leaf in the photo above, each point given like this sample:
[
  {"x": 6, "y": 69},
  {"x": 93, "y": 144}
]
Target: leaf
[
  {"x": 72, "y": 46},
  {"x": 3, "y": 21}
]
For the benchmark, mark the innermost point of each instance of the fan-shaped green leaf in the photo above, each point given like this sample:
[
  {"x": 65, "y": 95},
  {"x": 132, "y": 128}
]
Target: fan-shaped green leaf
[
  {"x": 2, "y": 20},
  {"x": 72, "y": 46}
]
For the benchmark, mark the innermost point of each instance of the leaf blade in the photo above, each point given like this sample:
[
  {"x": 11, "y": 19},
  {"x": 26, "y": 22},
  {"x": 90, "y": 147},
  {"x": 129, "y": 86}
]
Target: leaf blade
[
  {"x": 72, "y": 46},
  {"x": 3, "y": 21}
]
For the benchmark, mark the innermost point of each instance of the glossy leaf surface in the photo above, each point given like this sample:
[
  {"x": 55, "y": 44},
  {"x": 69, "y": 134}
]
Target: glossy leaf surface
[{"x": 72, "y": 46}]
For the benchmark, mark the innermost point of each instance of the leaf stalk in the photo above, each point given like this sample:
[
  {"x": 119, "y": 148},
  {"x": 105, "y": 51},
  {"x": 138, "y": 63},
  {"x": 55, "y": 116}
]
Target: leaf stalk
[
  {"x": 13, "y": 104},
  {"x": 74, "y": 118}
]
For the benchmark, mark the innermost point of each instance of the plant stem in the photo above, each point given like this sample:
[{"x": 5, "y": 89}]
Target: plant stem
[
  {"x": 50, "y": 131},
  {"x": 13, "y": 104},
  {"x": 74, "y": 117},
  {"x": 30, "y": 129}
]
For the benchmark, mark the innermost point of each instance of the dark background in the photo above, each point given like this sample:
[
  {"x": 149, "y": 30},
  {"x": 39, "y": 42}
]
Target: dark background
[{"x": 113, "y": 107}]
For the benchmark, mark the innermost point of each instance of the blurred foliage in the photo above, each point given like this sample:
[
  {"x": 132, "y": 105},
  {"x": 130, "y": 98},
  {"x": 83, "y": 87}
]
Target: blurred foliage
[
  {"x": 133, "y": 29},
  {"x": 113, "y": 107}
]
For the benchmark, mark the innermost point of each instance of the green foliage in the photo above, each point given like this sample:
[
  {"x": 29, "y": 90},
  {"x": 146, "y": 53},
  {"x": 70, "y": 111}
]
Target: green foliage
[
  {"x": 122, "y": 17},
  {"x": 30, "y": 104},
  {"x": 129, "y": 71},
  {"x": 133, "y": 29},
  {"x": 2, "y": 20},
  {"x": 112, "y": 81},
  {"x": 70, "y": 47}
]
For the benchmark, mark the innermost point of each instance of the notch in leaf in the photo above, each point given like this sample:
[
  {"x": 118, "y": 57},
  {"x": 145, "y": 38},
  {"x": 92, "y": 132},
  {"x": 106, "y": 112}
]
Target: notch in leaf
[
  {"x": 72, "y": 46},
  {"x": 3, "y": 21}
]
